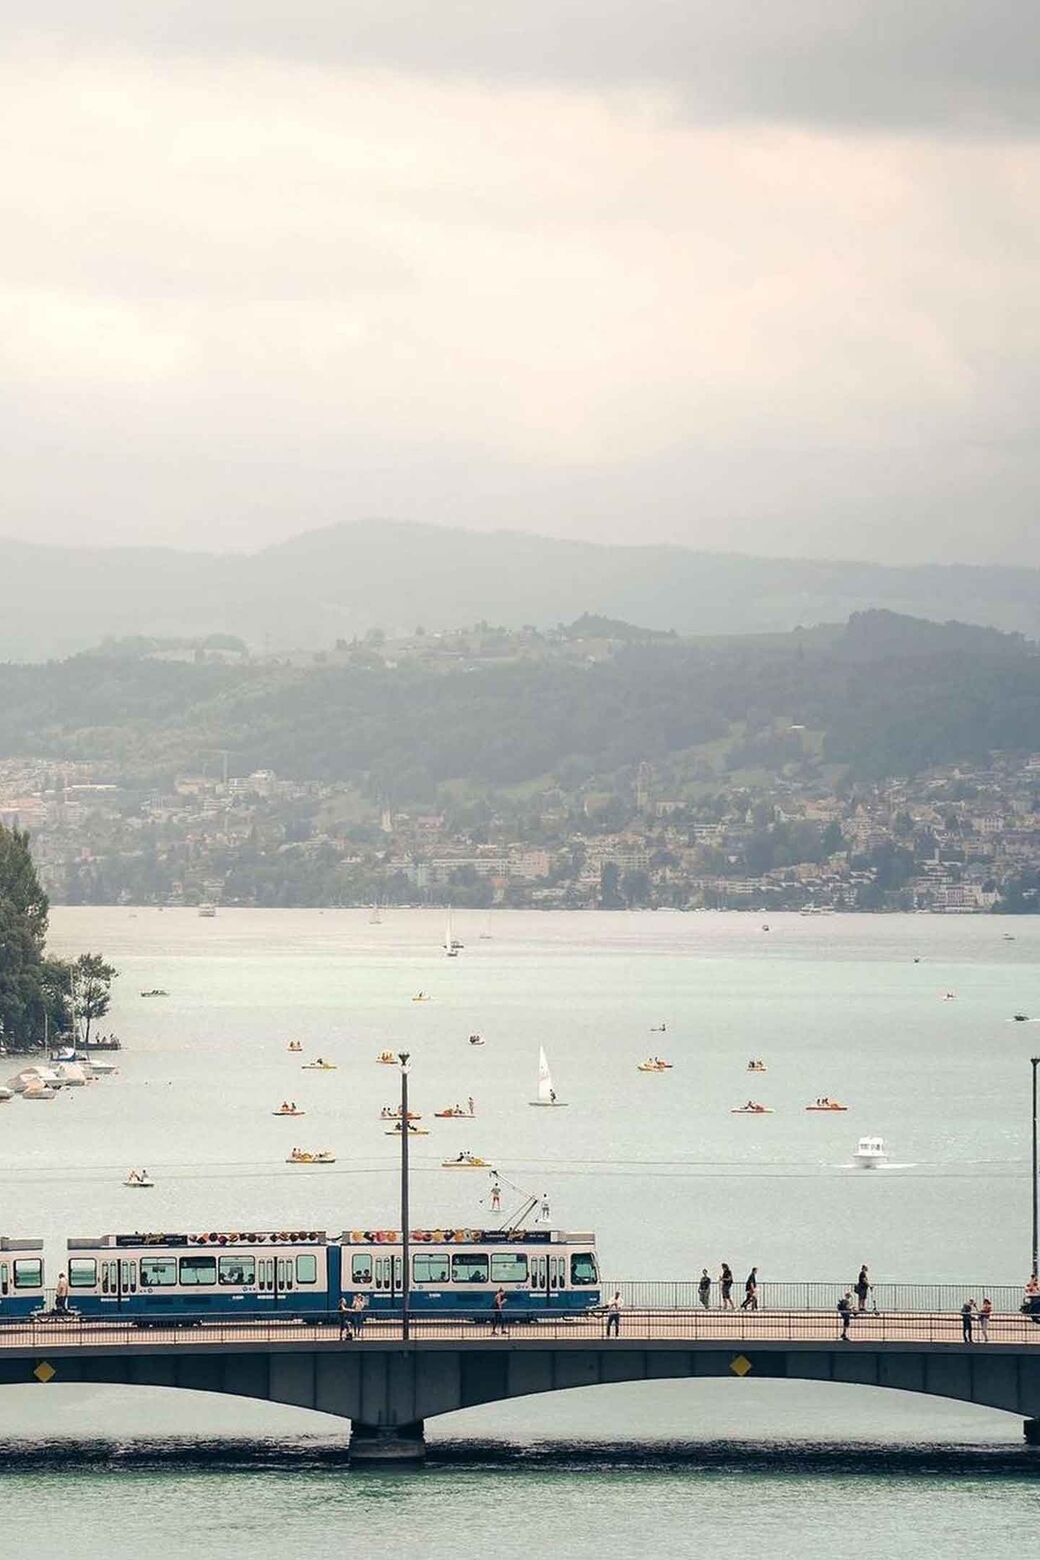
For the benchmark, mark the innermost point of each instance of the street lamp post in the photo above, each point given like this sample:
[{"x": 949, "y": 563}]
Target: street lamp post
[
  {"x": 1035, "y": 1062},
  {"x": 405, "y": 1217}
]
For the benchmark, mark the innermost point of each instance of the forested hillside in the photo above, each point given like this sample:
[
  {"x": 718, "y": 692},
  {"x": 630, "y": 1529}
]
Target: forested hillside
[{"x": 886, "y": 696}]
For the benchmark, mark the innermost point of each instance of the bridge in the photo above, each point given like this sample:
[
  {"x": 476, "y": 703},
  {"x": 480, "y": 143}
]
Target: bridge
[{"x": 387, "y": 1385}]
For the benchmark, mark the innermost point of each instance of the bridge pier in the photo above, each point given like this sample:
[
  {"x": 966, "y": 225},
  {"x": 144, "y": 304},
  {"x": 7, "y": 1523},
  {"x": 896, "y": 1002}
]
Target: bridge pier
[
  {"x": 1031, "y": 1431},
  {"x": 388, "y": 1445}
]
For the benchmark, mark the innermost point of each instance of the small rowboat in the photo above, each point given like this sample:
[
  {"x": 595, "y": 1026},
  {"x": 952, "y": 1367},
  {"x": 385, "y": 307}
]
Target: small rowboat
[
  {"x": 387, "y": 1058},
  {"x": 756, "y": 1066},
  {"x": 752, "y": 1109},
  {"x": 420, "y": 996},
  {"x": 395, "y": 1115},
  {"x": 653, "y": 1064},
  {"x": 412, "y": 1131},
  {"x": 288, "y": 1113},
  {"x": 826, "y": 1104},
  {"x": 142, "y": 1182},
  {"x": 299, "y": 1157},
  {"x": 319, "y": 1066},
  {"x": 455, "y": 1115},
  {"x": 466, "y": 1162}
]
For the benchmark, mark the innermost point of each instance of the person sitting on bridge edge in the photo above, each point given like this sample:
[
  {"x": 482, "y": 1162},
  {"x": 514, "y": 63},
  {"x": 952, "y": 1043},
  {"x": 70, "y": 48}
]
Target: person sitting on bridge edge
[
  {"x": 967, "y": 1315},
  {"x": 845, "y": 1313},
  {"x": 750, "y": 1300},
  {"x": 614, "y": 1315},
  {"x": 498, "y": 1306},
  {"x": 704, "y": 1289}
]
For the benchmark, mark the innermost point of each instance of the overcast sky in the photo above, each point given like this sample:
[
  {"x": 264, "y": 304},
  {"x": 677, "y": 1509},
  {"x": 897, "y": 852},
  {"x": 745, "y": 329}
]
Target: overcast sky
[{"x": 758, "y": 276}]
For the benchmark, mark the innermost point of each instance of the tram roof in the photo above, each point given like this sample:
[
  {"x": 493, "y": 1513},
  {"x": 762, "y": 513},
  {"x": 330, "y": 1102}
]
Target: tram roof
[{"x": 372, "y": 1237}]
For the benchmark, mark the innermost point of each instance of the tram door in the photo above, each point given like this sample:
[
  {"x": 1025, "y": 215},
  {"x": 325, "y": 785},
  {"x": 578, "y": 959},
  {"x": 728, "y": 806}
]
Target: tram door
[
  {"x": 387, "y": 1277},
  {"x": 275, "y": 1278},
  {"x": 118, "y": 1281}
]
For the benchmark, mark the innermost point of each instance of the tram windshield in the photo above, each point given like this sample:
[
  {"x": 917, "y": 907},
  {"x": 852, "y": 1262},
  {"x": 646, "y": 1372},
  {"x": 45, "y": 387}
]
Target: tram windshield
[{"x": 583, "y": 1268}]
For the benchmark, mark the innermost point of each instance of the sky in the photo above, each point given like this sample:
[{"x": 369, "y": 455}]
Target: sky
[{"x": 758, "y": 277}]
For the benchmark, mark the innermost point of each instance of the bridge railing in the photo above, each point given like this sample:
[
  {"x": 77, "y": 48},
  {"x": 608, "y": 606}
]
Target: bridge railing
[
  {"x": 813, "y": 1295},
  {"x": 736, "y": 1331}
]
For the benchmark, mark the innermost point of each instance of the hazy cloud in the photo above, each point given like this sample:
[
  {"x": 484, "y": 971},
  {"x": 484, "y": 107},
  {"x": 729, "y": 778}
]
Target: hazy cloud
[
  {"x": 759, "y": 279},
  {"x": 900, "y": 63}
]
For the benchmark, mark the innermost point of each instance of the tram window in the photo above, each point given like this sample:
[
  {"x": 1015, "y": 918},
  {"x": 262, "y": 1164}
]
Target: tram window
[
  {"x": 430, "y": 1268},
  {"x": 82, "y": 1272},
  {"x": 4, "y": 1278},
  {"x": 508, "y": 1267},
  {"x": 28, "y": 1273},
  {"x": 361, "y": 1268},
  {"x": 583, "y": 1268},
  {"x": 469, "y": 1267},
  {"x": 198, "y": 1270},
  {"x": 237, "y": 1270},
  {"x": 307, "y": 1268},
  {"x": 156, "y": 1271}
]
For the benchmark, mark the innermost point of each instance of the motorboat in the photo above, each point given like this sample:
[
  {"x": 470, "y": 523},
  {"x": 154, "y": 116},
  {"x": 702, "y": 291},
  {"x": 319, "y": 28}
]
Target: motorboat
[
  {"x": 870, "y": 1153},
  {"x": 299, "y": 1156},
  {"x": 102, "y": 1069},
  {"x": 466, "y": 1162},
  {"x": 421, "y": 996},
  {"x": 31, "y": 1077},
  {"x": 288, "y": 1111},
  {"x": 1021, "y": 1018},
  {"x": 5, "y": 1095},
  {"x": 752, "y": 1108},
  {"x": 321, "y": 1065},
  {"x": 756, "y": 1065},
  {"x": 826, "y": 1103},
  {"x": 658, "y": 1029},
  {"x": 139, "y": 1179},
  {"x": 157, "y": 992},
  {"x": 388, "y": 1058},
  {"x": 395, "y": 1130},
  {"x": 295, "y": 1045},
  {"x": 546, "y": 1092},
  {"x": 476, "y": 1040},
  {"x": 388, "y": 1114},
  {"x": 455, "y": 1113},
  {"x": 654, "y": 1064}
]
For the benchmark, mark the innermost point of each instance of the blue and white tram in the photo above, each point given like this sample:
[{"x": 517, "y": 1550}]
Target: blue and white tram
[
  {"x": 456, "y": 1272},
  {"x": 161, "y": 1277},
  {"x": 223, "y": 1275},
  {"x": 21, "y": 1276}
]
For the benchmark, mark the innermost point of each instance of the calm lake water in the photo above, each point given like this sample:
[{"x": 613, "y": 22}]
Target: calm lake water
[{"x": 657, "y": 1165}]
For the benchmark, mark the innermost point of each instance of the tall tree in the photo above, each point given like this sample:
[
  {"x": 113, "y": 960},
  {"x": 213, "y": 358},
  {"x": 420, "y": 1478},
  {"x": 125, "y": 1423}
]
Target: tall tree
[{"x": 92, "y": 979}]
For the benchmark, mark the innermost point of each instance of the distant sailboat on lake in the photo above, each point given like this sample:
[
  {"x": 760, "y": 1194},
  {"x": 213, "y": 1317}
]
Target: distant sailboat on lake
[{"x": 546, "y": 1092}]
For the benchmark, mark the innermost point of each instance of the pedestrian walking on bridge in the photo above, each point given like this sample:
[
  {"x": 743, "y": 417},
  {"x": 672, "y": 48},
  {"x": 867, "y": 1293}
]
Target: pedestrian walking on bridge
[
  {"x": 614, "y": 1315},
  {"x": 967, "y": 1318},
  {"x": 726, "y": 1286},
  {"x": 845, "y": 1314},
  {"x": 750, "y": 1300},
  {"x": 704, "y": 1289}
]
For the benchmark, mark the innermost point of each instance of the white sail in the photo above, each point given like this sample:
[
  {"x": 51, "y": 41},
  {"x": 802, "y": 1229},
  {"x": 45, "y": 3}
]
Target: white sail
[{"x": 545, "y": 1088}]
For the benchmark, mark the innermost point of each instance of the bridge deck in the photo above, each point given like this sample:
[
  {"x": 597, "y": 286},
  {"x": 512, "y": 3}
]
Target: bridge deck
[{"x": 662, "y": 1330}]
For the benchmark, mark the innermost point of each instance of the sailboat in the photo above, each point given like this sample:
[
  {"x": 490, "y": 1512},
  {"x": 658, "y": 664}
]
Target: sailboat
[
  {"x": 546, "y": 1092},
  {"x": 451, "y": 942}
]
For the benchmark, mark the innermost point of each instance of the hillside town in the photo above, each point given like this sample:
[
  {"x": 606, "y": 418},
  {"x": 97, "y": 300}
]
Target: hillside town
[{"x": 954, "y": 840}]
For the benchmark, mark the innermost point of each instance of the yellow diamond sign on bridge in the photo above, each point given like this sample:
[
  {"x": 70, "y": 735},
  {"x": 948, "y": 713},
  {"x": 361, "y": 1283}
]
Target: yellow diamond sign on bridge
[
  {"x": 44, "y": 1372},
  {"x": 740, "y": 1366}
]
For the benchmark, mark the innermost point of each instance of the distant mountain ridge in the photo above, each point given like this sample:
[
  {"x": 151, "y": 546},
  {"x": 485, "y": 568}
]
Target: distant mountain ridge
[{"x": 346, "y": 579}]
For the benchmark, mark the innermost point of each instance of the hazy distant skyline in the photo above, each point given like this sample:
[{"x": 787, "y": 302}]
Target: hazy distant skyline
[{"x": 757, "y": 278}]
